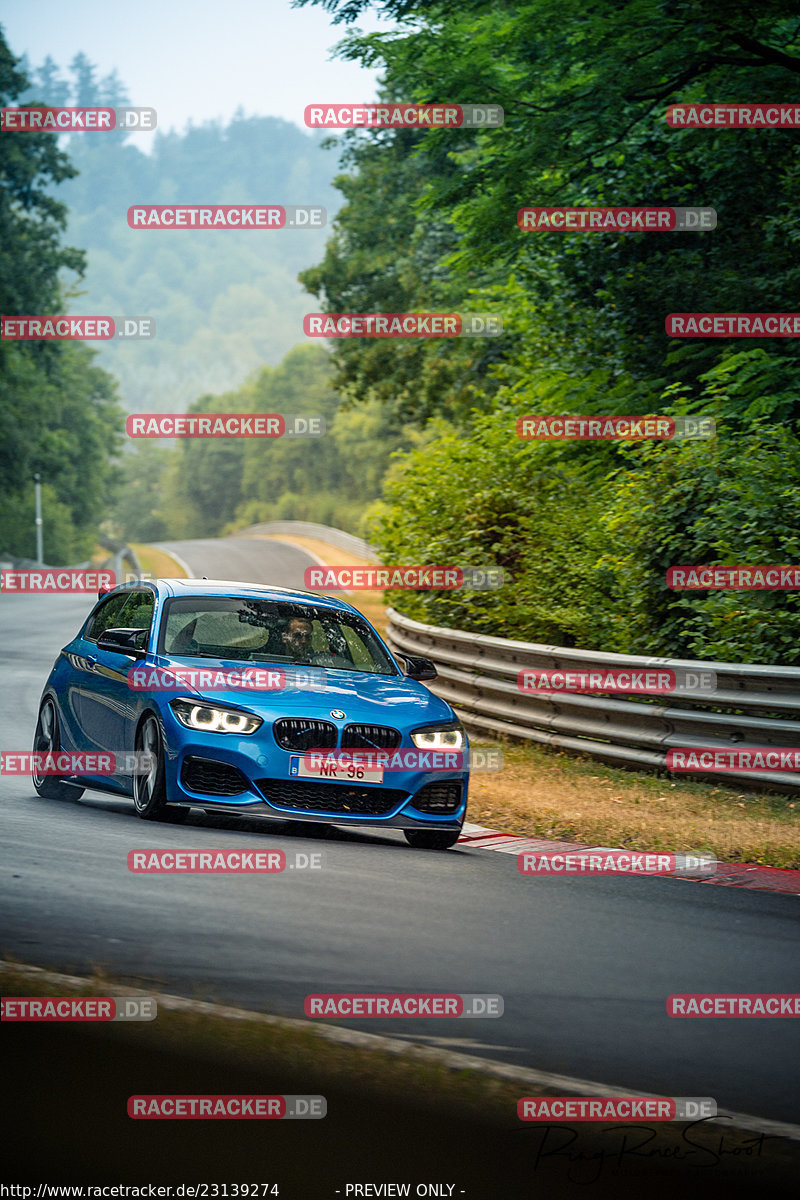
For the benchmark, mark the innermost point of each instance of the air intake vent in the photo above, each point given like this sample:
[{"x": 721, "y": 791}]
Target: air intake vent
[
  {"x": 212, "y": 778},
  {"x": 375, "y": 737},
  {"x": 306, "y": 796},
  {"x": 304, "y": 733},
  {"x": 444, "y": 797}
]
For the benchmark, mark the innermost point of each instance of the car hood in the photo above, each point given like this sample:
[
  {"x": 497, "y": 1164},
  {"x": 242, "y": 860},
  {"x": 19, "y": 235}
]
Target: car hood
[{"x": 359, "y": 694}]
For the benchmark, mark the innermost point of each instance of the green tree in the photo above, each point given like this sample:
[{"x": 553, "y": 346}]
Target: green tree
[
  {"x": 58, "y": 412},
  {"x": 220, "y": 484},
  {"x": 584, "y": 92}
]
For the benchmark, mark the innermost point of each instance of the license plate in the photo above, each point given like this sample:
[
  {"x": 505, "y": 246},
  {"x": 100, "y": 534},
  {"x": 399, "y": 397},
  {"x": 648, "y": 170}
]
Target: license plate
[{"x": 339, "y": 772}]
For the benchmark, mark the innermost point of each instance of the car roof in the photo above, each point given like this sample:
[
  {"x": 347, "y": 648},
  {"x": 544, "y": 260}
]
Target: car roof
[{"x": 233, "y": 587}]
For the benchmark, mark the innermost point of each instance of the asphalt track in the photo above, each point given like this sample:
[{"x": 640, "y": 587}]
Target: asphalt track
[{"x": 584, "y": 965}]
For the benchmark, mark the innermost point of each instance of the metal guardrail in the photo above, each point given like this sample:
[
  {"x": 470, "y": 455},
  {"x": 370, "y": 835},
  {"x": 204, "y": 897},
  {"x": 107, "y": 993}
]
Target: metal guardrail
[
  {"x": 478, "y": 676},
  {"x": 124, "y": 561},
  {"x": 125, "y": 566},
  {"x": 14, "y": 562},
  {"x": 324, "y": 533}
]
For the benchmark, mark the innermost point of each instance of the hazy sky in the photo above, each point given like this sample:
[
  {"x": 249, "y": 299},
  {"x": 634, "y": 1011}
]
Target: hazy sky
[{"x": 195, "y": 59}]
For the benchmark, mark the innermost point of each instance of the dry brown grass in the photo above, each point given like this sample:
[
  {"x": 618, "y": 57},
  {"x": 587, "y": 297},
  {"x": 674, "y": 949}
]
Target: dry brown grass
[
  {"x": 158, "y": 562},
  {"x": 543, "y": 793}
]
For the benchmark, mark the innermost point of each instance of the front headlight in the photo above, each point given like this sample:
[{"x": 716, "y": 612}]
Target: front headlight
[
  {"x": 212, "y": 719},
  {"x": 439, "y": 739}
]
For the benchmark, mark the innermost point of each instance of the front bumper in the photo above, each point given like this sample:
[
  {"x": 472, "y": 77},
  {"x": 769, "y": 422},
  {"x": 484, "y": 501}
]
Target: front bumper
[{"x": 205, "y": 770}]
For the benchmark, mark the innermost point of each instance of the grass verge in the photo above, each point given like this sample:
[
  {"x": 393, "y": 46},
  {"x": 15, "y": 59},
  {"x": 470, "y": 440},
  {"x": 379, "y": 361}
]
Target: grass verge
[
  {"x": 157, "y": 563},
  {"x": 543, "y": 793}
]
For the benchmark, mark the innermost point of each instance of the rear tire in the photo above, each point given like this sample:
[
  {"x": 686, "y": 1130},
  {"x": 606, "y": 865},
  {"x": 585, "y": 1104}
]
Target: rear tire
[
  {"x": 432, "y": 839},
  {"x": 46, "y": 740}
]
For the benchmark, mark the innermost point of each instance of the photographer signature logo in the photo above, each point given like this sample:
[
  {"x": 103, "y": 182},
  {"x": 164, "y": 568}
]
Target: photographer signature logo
[{"x": 628, "y": 1144}]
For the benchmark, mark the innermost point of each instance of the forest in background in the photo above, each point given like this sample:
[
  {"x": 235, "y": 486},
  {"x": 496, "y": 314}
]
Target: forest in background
[
  {"x": 228, "y": 309},
  {"x": 584, "y": 531},
  {"x": 60, "y": 414},
  {"x": 207, "y": 487},
  {"x": 225, "y": 302}
]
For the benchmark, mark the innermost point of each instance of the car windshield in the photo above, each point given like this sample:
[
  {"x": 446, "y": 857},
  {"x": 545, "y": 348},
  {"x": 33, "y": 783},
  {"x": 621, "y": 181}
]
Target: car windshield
[{"x": 243, "y": 629}]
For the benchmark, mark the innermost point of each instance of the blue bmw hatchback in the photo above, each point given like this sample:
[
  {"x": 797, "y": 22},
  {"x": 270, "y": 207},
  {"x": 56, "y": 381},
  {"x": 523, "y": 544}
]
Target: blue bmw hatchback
[{"x": 214, "y": 694}]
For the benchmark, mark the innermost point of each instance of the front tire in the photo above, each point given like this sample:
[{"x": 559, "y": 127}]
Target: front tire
[
  {"x": 150, "y": 790},
  {"x": 46, "y": 740},
  {"x": 432, "y": 839}
]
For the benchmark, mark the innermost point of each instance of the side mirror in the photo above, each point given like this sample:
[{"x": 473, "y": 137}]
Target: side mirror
[
  {"x": 418, "y": 668},
  {"x": 123, "y": 641}
]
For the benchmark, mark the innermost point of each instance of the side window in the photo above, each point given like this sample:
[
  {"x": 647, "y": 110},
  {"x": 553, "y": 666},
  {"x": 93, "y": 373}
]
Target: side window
[
  {"x": 106, "y": 616},
  {"x": 138, "y": 612}
]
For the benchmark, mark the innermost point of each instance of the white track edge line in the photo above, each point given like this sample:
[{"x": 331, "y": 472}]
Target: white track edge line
[
  {"x": 182, "y": 563},
  {"x": 273, "y": 537}
]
